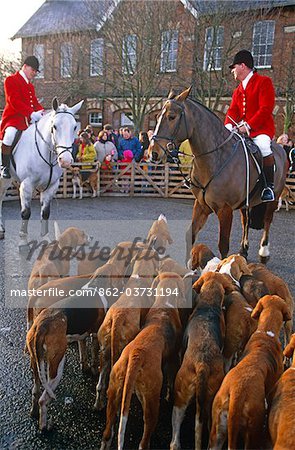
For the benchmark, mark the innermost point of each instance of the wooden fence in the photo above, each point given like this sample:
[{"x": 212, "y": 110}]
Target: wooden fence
[{"x": 132, "y": 180}]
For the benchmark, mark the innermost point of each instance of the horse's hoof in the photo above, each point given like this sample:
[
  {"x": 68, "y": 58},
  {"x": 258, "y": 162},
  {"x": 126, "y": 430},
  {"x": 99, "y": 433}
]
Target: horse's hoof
[
  {"x": 34, "y": 412},
  {"x": 100, "y": 403},
  {"x": 2, "y": 235},
  {"x": 24, "y": 249},
  {"x": 46, "y": 238},
  {"x": 86, "y": 371},
  {"x": 244, "y": 254},
  {"x": 264, "y": 259}
]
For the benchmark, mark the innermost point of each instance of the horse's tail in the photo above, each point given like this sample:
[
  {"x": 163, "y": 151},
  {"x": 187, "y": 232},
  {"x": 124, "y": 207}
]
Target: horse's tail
[
  {"x": 57, "y": 231},
  {"x": 256, "y": 217}
]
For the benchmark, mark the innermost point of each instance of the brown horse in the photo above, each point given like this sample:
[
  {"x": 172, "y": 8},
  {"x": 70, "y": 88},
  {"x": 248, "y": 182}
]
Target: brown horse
[{"x": 218, "y": 176}]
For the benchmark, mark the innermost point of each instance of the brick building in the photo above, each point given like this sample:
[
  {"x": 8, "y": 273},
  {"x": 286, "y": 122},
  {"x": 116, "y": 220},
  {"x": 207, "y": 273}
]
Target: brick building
[{"x": 123, "y": 56}]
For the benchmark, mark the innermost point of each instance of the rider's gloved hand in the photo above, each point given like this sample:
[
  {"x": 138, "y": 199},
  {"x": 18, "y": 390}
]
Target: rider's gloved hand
[{"x": 36, "y": 115}]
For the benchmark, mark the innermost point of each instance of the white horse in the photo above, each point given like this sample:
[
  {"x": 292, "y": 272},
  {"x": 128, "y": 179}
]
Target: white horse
[{"x": 43, "y": 151}]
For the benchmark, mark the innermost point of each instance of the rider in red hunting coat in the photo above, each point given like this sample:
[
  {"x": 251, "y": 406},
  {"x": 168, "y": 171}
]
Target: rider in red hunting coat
[
  {"x": 251, "y": 108},
  {"x": 21, "y": 109}
]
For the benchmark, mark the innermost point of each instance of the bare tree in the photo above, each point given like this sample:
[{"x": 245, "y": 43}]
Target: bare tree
[
  {"x": 288, "y": 90},
  {"x": 8, "y": 66},
  {"x": 139, "y": 45},
  {"x": 222, "y": 29}
]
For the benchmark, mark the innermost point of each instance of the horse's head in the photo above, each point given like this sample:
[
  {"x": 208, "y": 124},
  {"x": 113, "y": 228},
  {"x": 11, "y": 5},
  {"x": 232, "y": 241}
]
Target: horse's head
[
  {"x": 172, "y": 127},
  {"x": 63, "y": 131}
]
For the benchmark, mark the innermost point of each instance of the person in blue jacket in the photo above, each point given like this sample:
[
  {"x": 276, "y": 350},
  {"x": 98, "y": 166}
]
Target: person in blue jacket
[{"x": 129, "y": 142}]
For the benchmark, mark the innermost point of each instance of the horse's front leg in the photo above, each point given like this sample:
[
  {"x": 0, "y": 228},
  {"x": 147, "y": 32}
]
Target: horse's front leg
[
  {"x": 45, "y": 199},
  {"x": 245, "y": 226},
  {"x": 225, "y": 218},
  {"x": 199, "y": 218},
  {"x": 25, "y": 193},
  {"x": 3, "y": 187},
  {"x": 264, "y": 243}
]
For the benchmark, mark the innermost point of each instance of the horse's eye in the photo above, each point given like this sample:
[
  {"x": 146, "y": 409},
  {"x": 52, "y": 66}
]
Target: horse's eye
[
  {"x": 75, "y": 127},
  {"x": 54, "y": 127},
  {"x": 170, "y": 118}
]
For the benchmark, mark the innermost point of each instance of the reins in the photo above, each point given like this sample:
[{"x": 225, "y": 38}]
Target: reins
[
  {"x": 171, "y": 146},
  {"x": 190, "y": 181},
  {"x": 49, "y": 163}
]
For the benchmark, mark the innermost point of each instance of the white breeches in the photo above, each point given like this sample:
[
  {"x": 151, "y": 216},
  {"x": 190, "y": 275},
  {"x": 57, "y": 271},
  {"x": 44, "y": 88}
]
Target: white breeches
[
  {"x": 263, "y": 142},
  {"x": 9, "y": 135}
]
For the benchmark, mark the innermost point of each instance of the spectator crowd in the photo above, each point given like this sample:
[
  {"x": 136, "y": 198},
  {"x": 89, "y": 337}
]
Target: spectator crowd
[{"x": 111, "y": 146}]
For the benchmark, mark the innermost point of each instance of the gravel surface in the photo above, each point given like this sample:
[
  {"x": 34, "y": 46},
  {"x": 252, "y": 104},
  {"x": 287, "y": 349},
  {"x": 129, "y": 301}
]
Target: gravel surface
[{"x": 109, "y": 220}]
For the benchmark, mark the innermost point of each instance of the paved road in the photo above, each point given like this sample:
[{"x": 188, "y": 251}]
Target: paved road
[{"x": 109, "y": 220}]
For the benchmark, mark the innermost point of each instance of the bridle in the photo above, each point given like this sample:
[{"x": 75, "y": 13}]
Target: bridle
[
  {"x": 171, "y": 146},
  {"x": 52, "y": 151},
  {"x": 56, "y": 146}
]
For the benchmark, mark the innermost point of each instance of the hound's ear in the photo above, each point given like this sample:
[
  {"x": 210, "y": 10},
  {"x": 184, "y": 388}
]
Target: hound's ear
[
  {"x": 244, "y": 267},
  {"x": 170, "y": 240},
  {"x": 64, "y": 239},
  {"x": 197, "y": 286},
  {"x": 55, "y": 104},
  {"x": 257, "y": 310},
  {"x": 286, "y": 313},
  {"x": 156, "y": 282},
  {"x": 172, "y": 94},
  {"x": 228, "y": 284},
  {"x": 183, "y": 96},
  {"x": 289, "y": 350},
  {"x": 182, "y": 292}
]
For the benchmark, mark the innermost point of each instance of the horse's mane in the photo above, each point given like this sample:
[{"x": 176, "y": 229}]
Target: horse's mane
[{"x": 206, "y": 108}]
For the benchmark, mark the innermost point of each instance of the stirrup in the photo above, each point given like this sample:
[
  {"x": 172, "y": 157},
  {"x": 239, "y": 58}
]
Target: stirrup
[
  {"x": 5, "y": 173},
  {"x": 267, "y": 195}
]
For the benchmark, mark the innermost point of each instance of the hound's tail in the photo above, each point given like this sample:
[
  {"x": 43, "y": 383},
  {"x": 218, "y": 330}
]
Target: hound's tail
[
  {"x": 233, "y": 423},
  {"x": 134, "y": 364},
  {"x": 36, "y": 346},
  {"x": 57, "y": 231},
  {"x": 162, "y": 217},
  {"x": 202, "y": 376},
  {"x": 115, "y": 342}
]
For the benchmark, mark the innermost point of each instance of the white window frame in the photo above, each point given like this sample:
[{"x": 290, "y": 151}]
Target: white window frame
[
  {"x": 214, "y": 41},
  {"x": 66, "y": 60},
  {"x": 38, "y": 51},
  {"x": 96, "y": 57},
  {"x": 169, "y": 50},
  {"x": 95, "y": 118},
  {"x": 129, "y": 48},
  {"x": 262, "y": 43},
  {"x": 126, "y": 121}
]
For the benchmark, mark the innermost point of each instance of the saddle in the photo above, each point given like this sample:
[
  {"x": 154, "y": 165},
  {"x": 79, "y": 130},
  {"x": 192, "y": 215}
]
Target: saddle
[
  {"x": 254, "y": 151},
  {"x": 13, "y": 145},
  {"x": 16, "y": 139},
  {"x": 251, "y": 146}
]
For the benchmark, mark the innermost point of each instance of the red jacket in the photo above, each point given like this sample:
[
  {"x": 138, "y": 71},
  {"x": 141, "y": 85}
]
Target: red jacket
[
  {"x": 254, "y": 105},
  {"x": 21, "y": 101}
]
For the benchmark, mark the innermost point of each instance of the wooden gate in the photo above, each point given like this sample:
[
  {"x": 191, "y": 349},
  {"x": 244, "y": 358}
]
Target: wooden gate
[{"x": 133, "y": 180}]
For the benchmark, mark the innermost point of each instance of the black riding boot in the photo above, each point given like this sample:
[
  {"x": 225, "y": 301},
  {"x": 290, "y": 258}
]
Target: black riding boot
[
  {"x": 6, "y": 150},
  {"x": 267, "y": 194}
]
